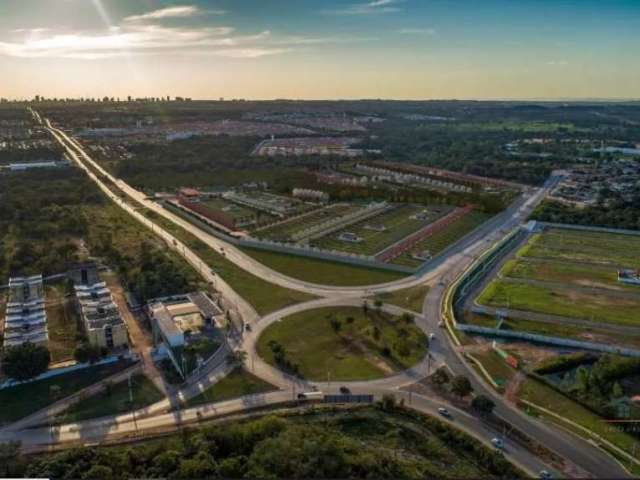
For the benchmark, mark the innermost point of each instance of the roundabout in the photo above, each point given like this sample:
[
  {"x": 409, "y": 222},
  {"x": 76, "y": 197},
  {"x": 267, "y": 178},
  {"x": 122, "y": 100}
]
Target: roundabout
[{"x": 343, "y": 343}]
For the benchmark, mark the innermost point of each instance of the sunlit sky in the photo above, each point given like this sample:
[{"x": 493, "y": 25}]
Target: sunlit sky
[{"x": 263, "y": 49}]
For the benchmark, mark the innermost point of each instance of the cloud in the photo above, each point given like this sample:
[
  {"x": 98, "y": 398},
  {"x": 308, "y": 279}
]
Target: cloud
[
  {"x": 417, "y": 31},
  {"x": 180, "y": 11},
  {"x": 143, "y": 39},
  {"x": 367, "y": 8},
  {"x": 558, "y": 63}
]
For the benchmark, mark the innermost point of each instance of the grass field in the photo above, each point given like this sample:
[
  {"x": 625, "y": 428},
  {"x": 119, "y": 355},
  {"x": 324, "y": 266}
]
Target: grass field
[
  {"x": 437, "y": 242},
  {"x": 409, "y": 298},
  {"x": 555, "y": 301},
  {"x": 284, "y": 230},
  {"x": 616, "y": 250},
  {"x": 239, "y": 213},
  {"x": 237, "y": 384},
  {"x": 398, "y": 223},
  {"x": 264, "y": 296},
  {"x": 322, "y": 271},
  {"x": 62, "y": 324},
  {"x": 22, "y": 400},
  {"x": 495, "y": 366},
  {"x": 572, "y": 274},
  {"x": 369, "y": 346},
  {"x": 114, "y": 401},
  {"x": 546, "y": 397}
]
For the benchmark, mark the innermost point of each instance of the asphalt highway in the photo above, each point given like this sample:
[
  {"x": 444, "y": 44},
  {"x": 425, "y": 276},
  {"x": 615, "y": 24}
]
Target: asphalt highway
[{"x": 589, "y": 461}]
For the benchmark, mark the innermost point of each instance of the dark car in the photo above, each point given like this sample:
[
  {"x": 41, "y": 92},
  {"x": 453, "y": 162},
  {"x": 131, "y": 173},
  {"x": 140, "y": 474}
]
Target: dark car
[{"x": 344, "y": 390}]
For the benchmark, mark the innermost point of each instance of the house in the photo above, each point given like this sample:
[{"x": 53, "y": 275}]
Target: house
[
  {"x": 26, "y": 318},
  {"x": 100, "y": 316},
  {"x": 180, "y": 319}
]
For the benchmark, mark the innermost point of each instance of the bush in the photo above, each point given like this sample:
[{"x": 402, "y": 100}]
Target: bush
[{"x": 26, "y": 361}]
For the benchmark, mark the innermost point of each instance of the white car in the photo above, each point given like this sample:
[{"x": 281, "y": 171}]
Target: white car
[
  {"x": 499, "y": 444},
  {"x": 444, "y": 412},
  {"x": 432, "y": 336}
]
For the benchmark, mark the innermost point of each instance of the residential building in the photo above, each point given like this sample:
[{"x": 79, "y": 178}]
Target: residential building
[
  {"x": 103, "y": 324},
  {"x": 26, "y": 318},
  {"x": 179, "y": 319}
]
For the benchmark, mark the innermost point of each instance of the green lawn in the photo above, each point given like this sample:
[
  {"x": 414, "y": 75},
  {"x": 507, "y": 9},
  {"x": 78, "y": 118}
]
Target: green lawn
[
  {"x": 237, "y": 384},
  {"x": 409, "y": 298},
  {"x": 437, "y": 242},
  {"x": 496, "y": 366},
  {"x": 264, "y": 296},
  {"x": 23, "y": 400},
  {"x": 555, "y": 301},
  {"x": 323, "y": 271},
  {"x": 546, "y": 397},
  {"x": 285, "y": 230},
  {"x": 372, "y": 346},
  {"x": 398, "y": 223},
  {"x": 583, "y": 246},
  {"x": 113, "y": 401}
]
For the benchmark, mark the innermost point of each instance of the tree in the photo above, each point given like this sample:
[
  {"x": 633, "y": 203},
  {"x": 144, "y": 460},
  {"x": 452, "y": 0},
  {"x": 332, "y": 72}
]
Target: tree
[
  {"x": 86, "y": 352},
  {"x": 25, "y": 361},
  {"x": 336, "y": 325},
  {"x": 388, "y": 401},
  {"x": 461, "y": 386},
  {"x": 350, "y": 320},
  {"x": 11, "y": 460},
  {"x": 237, "y": 358},
  {"x": 440, "y": 376},
  {"x": 378, "y": 304},
  {"x": 482, "y": 404},
  {"x": 616, "y": 390}
]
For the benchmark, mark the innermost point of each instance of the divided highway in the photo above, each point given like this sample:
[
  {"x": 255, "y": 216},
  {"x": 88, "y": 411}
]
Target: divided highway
[{"x": 589, "y": 460}]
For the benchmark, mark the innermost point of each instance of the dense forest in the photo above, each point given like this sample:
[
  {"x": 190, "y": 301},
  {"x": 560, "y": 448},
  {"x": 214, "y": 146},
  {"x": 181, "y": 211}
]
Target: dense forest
[
  {"x": 49, "y": 219},
  {"x": 615, "y": 214},
  {"x": 367, "y": 443}
]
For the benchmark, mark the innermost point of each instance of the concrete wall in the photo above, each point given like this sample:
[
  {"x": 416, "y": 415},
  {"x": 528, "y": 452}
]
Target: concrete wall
[{"x": 544, "y": 339}]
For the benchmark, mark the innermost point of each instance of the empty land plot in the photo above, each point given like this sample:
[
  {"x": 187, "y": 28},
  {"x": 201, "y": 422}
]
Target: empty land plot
[
  {"x": 62, "y": 324},
  {"x": 561, "y": 301},
  {"x": 598, "y": 276},
  {"x": 437, "y": 242},
  {"x": 570, "y": 273},
  {"x": 239, "y": 213},
  {"x": 377, "y": 233},
  {"x": 583, "y": 246},
  {"x": 285, "y": 230}
]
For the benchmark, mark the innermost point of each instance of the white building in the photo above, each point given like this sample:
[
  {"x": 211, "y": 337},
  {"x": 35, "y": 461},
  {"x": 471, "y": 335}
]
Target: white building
[{"x": 26, "y": 318}]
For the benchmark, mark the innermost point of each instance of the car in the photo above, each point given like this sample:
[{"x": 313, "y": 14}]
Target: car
[
  {"x": 344, "y": 390},
  {"x": 496, "y": 442},
  {"x": 444, "y": 412},
  {"x": 441, "y": 324},
  {"x": 247, "y": 327},
  {"x": 432, "y": 336},
  {"x": 544, "y": 474}
]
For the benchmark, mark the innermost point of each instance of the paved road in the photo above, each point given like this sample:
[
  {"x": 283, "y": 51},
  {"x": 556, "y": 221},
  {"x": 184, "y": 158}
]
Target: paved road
[{"x": 590, "y": 459}]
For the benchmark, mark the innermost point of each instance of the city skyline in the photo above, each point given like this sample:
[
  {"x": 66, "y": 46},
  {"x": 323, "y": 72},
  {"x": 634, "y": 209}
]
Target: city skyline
[{"x": 392, "y": 49}]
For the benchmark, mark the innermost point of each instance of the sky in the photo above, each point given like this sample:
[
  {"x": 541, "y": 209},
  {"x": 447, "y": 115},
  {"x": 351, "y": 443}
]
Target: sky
[{"x": 321, "y": 49}]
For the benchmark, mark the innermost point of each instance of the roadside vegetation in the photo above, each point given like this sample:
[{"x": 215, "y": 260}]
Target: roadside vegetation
[
  {"x": 27, "y": 398},
  {"x": 409, "y": 298},
  {"x": 114, "y": 399},
  {"x": 322, "y": 271},
  {"x": 356, "y": 443},
  {"x": 343, "y": 343},
  {"x": 264, "y": 296},
  {"x": 236, "y": 384}
]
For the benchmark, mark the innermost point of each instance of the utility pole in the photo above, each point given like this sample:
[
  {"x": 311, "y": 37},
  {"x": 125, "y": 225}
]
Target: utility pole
[{"x": 133, "y": 410}]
